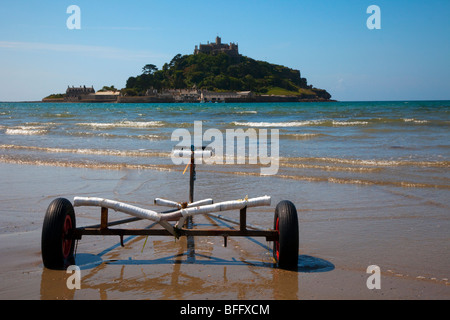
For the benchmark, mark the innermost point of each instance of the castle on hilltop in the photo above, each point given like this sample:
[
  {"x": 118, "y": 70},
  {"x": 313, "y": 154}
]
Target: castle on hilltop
[{"x": 218, "y": 47}]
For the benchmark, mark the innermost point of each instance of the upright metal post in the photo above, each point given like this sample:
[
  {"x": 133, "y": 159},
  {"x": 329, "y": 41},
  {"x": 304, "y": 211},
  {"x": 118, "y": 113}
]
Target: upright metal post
[
  {"x": 189, "y": 222},
  {"x": 104, "y": 218},
  {"x": 192, "y": 176},
  {"x": 243, "y": 219}
]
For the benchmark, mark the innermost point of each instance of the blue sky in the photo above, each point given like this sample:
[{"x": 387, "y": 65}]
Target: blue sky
[{"x": 327, "y": 40}]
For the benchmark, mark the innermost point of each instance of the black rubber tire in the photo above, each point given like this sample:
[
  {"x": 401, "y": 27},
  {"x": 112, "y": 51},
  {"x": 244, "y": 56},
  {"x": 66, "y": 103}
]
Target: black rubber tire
[
  {"x": 285, "y": 250},
  {"x": 56, "y": 247}
]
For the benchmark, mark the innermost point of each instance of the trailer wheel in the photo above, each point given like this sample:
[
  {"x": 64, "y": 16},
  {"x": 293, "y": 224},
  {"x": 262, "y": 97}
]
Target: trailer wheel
[
  {"x": 285, "y": 250},
  {"x": 56, "y": 245}
]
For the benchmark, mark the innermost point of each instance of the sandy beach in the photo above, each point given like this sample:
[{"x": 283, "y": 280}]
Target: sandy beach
[{"x": 342, "y": 232}]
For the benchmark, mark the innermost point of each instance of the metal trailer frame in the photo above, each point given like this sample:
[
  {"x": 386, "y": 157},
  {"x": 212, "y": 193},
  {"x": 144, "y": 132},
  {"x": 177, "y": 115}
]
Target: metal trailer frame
[
  {"x": 178, "y": 230},
  {"x": 182, "y": 214}
]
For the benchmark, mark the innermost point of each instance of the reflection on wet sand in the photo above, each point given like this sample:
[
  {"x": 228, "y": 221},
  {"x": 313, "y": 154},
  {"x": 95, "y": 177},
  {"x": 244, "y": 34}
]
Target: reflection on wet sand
[{"x": 176, "y": 271}]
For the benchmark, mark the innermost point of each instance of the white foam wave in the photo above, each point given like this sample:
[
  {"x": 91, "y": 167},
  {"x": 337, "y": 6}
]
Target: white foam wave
[
  {"x": 278, "y": 124},
  {"x": 301, "y": 123},
  {"x": 150, "y": 137},
  {"x": 415, "y": 120},
  {"x": 107, "y": 152},
  {"x": 247, "y": 112},
  {"x": 349, "y": 123},
  {"x": 304, "y": 136},
  {"x": 123, "y": 124},
  {"x": 26, "y": 130}
]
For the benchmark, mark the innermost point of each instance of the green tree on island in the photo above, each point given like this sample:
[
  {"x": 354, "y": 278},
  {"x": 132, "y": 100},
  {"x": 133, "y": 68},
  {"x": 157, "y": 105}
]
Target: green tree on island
[
  {"x": 106, "y": 88},
  {"x": 149, "y": 69}
]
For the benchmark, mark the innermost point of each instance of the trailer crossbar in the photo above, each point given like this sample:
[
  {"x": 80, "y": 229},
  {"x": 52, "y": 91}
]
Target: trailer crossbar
[{"x": 270, "y": 235}]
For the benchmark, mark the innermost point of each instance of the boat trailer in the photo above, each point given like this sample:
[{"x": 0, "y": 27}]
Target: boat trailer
[{"x": 59, "y": 232}]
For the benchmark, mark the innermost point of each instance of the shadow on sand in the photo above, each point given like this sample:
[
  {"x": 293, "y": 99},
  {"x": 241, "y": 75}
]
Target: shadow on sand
[{"x": 306, "y": 263}]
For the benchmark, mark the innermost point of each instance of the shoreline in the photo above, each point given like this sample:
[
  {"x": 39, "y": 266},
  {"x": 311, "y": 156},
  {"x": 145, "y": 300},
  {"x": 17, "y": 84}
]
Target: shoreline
[
  {"x": 338, "y": 101},
  {"x": 153, "y": 100}
]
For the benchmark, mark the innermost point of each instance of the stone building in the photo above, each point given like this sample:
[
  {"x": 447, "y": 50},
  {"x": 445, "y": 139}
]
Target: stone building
[
  {"x": 218, "y": 47},
  {"x": 86, "y": 94},
  {"x": 231, "y": 96},
  {"x": 75, "y": 93}
]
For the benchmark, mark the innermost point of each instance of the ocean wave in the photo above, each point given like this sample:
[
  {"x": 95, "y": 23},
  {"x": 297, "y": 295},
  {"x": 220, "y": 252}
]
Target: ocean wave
[
  {"x": 123, "y": 124},
  {"x": 360, "y": 169},
  {"x": 341, "y": 123},
  {"x": 415, "y": 120},
  {"x": 326, "y": 163},
  {"x": 313, "y": 172},
  {"x": 58, "y": 115},
  {"x": 85, "y": 164},
  {"x": 368, "y": 162},
  {"x": 247, "y": 112},
  {"x": 304, "y": 136},
  {"x": 349, "y": 123},
  {"x": 278, "y": 124},
  {"x": 26, "y": 130},
  {"x": 339, "y": 180},
  {"x": 107, "y": 152},
  {"x": 302, "y": 123},
  {"x": 150, "y": 137}
]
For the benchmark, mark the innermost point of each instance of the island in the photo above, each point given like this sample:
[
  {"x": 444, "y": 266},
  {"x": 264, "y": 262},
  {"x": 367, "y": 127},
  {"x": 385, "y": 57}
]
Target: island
[{"x": 215, "y": 72}]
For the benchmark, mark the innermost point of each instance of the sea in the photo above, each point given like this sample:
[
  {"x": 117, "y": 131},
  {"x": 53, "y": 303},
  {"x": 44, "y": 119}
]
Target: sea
[
  {"x": 370, "y": 182},
  {"x": 402, "y": 144}
]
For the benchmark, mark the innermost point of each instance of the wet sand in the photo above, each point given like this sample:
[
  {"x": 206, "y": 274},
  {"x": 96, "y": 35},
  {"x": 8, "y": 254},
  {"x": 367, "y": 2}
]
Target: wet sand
[{"x": 343, "y": 230}]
